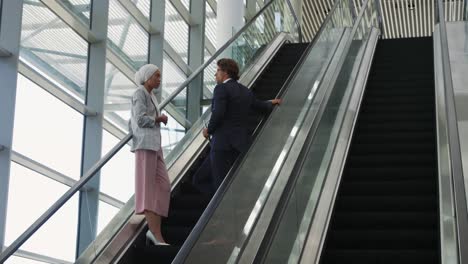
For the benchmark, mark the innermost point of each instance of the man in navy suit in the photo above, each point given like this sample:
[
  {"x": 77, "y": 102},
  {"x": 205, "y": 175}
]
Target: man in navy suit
[{"x": 228, "y": 126}]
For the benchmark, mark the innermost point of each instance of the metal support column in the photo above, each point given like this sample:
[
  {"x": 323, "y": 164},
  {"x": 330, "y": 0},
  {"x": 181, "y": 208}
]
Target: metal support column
[
  {"x": 251, "y": 9},
  {"x": 196, "y": 58},
  {"x": 156, "y": 40},
  {"x": 92, "y": 137},
  {"x": 10, "y": 31},
  {"x": 379, "y": 14},
  {"x": 352, "y": 7},
  {"x": 465, "y": 12}
]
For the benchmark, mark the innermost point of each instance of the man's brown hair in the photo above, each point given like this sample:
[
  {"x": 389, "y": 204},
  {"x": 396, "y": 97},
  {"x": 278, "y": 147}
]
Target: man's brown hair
[{"x": 230, "y": 67}]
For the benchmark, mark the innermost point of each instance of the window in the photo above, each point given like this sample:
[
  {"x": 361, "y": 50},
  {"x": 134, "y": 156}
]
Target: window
[
  {"x": 117, "y": 97},
  {"x": 81, "y": 8},
  {"x": 118, "y": 175},
  {"x": 176, "y": 31},
  {"x": 30, "y": 195},
  {"x": 46, "y": 129},
  {"x": 144, "y": 6},
  {"x": 52, "y": 48},
  {"x": 126, "y": 37}
]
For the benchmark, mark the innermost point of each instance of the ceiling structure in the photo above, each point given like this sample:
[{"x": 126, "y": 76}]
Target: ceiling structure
[{"x": 400, "y": 18}]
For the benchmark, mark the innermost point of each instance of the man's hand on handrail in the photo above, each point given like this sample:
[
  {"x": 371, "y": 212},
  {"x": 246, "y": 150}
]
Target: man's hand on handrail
[
  {"x": 276, "y": 101},
  {"x": 205, "y": 133}
]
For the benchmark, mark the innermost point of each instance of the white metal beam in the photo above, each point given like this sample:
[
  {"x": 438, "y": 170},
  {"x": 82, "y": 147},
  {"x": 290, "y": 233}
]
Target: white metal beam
[
  {"x": 209, "y": 46},
  {"x": 213, "y": 5},
  {"x": 177, "y": 59},
  {"x": 53, "y": 89},
  {"x": 113, "y": 129},
  {"x": 70, "y": 18},
  {"x": 57, "y": 176},
  {"x": 38, "y": 257},
  {"x": 76, "y": 24},
  {"x": 139, "y": 16},
  {"x": 183, "y": 12}
]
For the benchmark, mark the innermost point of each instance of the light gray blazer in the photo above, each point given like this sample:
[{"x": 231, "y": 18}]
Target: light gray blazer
[{"x": 146, "y": 132}]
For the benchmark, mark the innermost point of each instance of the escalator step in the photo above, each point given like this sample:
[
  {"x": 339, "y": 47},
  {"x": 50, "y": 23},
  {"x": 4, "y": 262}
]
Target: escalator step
[
  {"x": 406, "y": 160},
  {"x": 393, "y": 148},
  {"x": 397, "y": 137},
  {"x": 396, "y": 117},
  {"x": 411, "y": 84},
  {"x": 389, "y": 203},
  {"x": 157, "y": 254},
  {"x": 385, "y": 220},
  {"x": 190, "y": 201},
  {"x": 381, "y": 256},
  {"x": 401, "y": 126},
  {"x": 176, "y": 235},
  {"x": 389, "y": 173},
  {"x": 187, "y": 217},
  {"x": 386, "y": 188},
  {"x": 383, "y": 239},
  {"x": 397, "y": 109}
]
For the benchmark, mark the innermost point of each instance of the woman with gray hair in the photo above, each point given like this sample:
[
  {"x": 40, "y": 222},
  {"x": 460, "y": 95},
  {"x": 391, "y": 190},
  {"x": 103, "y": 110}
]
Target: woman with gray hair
[{"x": 152, "y": 186}]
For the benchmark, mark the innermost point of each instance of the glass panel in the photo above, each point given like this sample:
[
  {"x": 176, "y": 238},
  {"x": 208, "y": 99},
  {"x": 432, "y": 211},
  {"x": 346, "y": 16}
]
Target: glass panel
[
  {"x": 277, "y": 18},
  {"x": 465, "y": 10},
  {"x": 287, "y": 243},
  {"x": 186, "y": 3},
  {"x": 172, "y": 77},
  {"x": 30, "y": 195},
  {"x": 171, "y": 134},
  {"x": 46, "y": 129},
  {"x": 210, "y": 24},
  {"x": 105, "y": 214},
  {"x": 117, "y": 97},
  {"x": 117, "y": 176},
  {"x": 81, "y": 8},
  {"x": 126, "y": 37},
  {"x": 176, "y": 31},
  {"x": 210, "y": 82},
  {"x": 52, "y": 48},
  {"x": 144, "y": 6}
]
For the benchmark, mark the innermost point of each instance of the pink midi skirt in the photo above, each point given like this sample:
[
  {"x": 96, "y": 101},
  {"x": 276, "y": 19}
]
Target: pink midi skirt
[{"x": 152, "y": 186}]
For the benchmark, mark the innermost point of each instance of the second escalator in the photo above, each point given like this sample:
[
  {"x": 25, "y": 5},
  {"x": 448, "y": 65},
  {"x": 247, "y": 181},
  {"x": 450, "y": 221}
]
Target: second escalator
[{"x": 386, "y": 210}]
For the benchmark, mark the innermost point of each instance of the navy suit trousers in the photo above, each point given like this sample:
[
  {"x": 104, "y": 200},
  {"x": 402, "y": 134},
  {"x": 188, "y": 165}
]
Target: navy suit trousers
[{"x": 221, "y": 163}]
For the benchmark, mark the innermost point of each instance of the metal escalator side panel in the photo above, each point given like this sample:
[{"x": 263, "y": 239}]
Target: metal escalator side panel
[
  {"x": 239, "y": 200},
  {"x": 314, "y": 232},
  {"x": 305, "y": 131}
]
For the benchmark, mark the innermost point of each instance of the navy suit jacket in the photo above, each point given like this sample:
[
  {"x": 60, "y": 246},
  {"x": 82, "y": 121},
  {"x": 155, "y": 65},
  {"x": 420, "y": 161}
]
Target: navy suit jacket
[{"x": 230, "y": 109}]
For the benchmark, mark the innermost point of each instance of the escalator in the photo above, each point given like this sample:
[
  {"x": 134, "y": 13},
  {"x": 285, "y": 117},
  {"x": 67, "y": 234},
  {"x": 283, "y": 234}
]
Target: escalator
[
  {"x": 187, "y": 203},
  {"x": 386, "y": 209}
]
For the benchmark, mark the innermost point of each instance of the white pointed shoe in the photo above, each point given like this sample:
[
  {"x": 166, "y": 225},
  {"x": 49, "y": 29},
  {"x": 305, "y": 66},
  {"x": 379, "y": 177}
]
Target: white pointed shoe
[{"x": 154, "y": 240}]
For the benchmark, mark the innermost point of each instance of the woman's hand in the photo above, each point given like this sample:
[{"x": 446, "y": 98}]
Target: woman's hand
[{"x": 162, "y": 119}]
